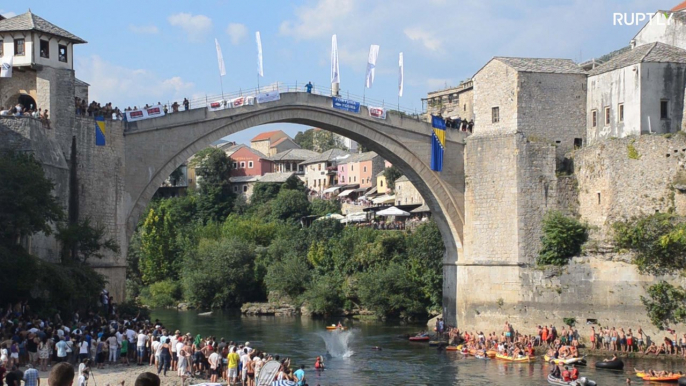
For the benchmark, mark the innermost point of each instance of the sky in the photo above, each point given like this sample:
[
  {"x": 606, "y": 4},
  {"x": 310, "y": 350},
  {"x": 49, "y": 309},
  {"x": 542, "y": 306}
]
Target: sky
[{"x": 148, "y": 51}]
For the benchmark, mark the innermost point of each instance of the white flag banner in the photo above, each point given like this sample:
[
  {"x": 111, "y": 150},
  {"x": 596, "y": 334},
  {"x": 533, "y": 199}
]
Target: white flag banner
[
  {"x": 150, "y": 112},
  {"x": 371, "y": 64},
  {"x": 216, "y": 106},
  {"x": 240, "y": 101},
  {"x": 220, "y": 58},
  {"x": 401, "y": 75},
  {"x": 269, "y": 96},
  {"x": 6, "y": 69},
  {"x": 260, "y": 71},
  {"x": 377, "y": 112},
  {"x": 335, "y": 73}
]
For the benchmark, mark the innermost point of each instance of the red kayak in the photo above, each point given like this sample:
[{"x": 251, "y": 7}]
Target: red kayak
[{"x": 421, "y": 338}]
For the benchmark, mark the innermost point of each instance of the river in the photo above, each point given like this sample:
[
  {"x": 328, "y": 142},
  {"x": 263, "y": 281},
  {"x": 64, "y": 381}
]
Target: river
[{"x": 350, "y": 360}]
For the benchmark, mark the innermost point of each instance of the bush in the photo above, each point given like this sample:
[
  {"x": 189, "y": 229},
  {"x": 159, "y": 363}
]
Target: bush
[
  {"x": 390, "y": 291},
  {"x": 321, "y": 207},
  {"x": 324, "y": 294},
  {"x": 665, "y": 304},
  {"x": 658, "y": 242},
  {"x": 161, "y": 294},
  {"x": 562, "y": 238}
]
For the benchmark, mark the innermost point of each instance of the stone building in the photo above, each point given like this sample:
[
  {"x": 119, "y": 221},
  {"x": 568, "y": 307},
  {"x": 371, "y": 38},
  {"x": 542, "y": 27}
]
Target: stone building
[
  {"x": 360, "y": 169},
  {"x": 247, "y": 161},
  {"x": 452, "y": 102},
  {"x": 406, "y": 193},
  {"x": 289, "y": 160},
  {"x": 264, "y": 141},
  {"x": 640, "y": 91},
  {"x": 281, "y": 145},
  {"x": 671, "y": 30},
  {"x": 43, "y": 65},
  {"x": 321, "y": 171},
  {"x": 244, "y": 185}
]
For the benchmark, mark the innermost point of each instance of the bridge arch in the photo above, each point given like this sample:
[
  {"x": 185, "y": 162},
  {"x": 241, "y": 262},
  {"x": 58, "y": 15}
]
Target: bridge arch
[{"x": 155, "y": 148}]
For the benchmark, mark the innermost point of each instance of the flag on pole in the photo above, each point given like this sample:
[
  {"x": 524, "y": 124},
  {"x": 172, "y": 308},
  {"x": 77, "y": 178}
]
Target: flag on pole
[
  {"x": 260, "y": 71},
  {"x": 400, "y": 75},
  {"x": 100, "y": 131},
  {"x": 220, "y": 58},
  {"x": 371, "y": 64},
  {"x": 437, "y": 143},
  {"x": 335, "y": 74},
  {"x": 6, "y": 69}
]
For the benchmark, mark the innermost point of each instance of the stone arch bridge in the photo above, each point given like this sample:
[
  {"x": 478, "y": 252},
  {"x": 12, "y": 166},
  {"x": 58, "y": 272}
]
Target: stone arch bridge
[{"x": 155, "y": 148}]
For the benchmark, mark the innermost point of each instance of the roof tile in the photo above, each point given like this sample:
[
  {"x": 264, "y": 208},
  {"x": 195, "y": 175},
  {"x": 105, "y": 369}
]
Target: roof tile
[
  {"x": 648, "y": 53},
  {"x": 544, "y": 65},
  {"x": 30, "y": 22}
]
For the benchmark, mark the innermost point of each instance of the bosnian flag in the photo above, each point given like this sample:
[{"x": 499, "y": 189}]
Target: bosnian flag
[{"x": 437, "y": 143}]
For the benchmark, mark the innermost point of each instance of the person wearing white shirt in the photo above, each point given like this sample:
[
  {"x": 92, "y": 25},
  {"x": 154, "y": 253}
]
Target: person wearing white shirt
[{"x": 140, "y": 346}]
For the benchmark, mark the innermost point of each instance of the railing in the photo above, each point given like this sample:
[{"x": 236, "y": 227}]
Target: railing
[{"x": 284, "y": 88}]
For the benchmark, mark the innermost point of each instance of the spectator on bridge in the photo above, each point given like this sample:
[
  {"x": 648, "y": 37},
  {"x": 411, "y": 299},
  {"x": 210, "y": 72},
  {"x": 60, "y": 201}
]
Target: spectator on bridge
[
  {"x": 308, "y": 87},
  {"x": 44, "y": 118},
  {"x": 186, "y": 104},
  {"x": 166, "y": 110},
  {"x": 175, "y": 107}
]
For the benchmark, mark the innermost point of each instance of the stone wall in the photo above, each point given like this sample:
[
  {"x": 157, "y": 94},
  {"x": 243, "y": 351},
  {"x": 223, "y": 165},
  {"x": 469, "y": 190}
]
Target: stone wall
[
  {"x": 672, "y": 32},
  {"x": 495, "y": 85},
  {"x": 20, "y": 82},
  {"x": 608, "y": 90},
  {"x": 662, "y": 82}
]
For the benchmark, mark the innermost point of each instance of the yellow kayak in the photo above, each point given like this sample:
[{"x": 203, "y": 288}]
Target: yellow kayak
[
  {"x": 511, "y": 359},
  {"x": 562, "y": 361},
  {"x": 334, "y": 328}
]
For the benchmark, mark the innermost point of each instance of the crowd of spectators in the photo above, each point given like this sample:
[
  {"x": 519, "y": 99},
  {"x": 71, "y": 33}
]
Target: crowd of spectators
[
  {"x": 459, "y": 124},
  {"x": 20, "y": 111},
  {"x": 109, "y": 112}
]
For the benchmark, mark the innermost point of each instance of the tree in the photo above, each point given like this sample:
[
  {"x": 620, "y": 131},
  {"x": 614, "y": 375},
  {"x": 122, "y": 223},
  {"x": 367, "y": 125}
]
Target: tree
[
  {"x": 213, "y": 169},
  {"x": 658, "y": 242},
  {"x": 81, "y": 241},
  {"x": 666, "y": 304},
  {"x": 389, "y": 291},
  {"x": 391, "y": 174},
  {"x": 323, "y": 207},
  {"x": 425, "y": 250},
  {"x": 27, "y": 205},
  {"x": 219, "y": 274},
  {"x": 288, "y": 276},
  {"x": 562, "y": 238},
  {"x": 290, "y": 205},
  {"x": 304, "y": 139}
]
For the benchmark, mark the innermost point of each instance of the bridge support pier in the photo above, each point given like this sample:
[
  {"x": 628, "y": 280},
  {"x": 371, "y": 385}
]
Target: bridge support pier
[{"x": 450, "y": 286}]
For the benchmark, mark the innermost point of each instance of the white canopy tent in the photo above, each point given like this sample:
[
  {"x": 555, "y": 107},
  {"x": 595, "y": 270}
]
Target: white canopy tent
[
  {"x": 393, "y": 211},
  {"x": 331, "y": 190},
  {"x": 384, "y": 199},
  {"x": 355, "y": 217},
  {"x": 345, "y": 193}
]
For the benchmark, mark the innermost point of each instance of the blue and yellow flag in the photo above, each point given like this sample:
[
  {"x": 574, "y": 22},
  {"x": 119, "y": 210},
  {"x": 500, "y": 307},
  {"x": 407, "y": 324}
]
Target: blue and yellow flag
[
  {"x": 100, "y": 131},
  {"x": 437, "y": 143}
]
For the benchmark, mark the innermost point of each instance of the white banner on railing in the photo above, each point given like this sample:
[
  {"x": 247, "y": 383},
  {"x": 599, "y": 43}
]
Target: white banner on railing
[
  {"x": 240, "y": 101},
  {"x": 377, "y": 112},
  {"x": 269, "y": 96},
  {"x": 150, "y": 112},
  {"x": 215, "y": 106}
]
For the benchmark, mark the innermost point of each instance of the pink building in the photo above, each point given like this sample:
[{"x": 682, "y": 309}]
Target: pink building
[{"x": 249, "y": 162}]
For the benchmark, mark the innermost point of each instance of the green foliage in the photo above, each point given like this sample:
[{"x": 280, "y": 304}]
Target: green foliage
[
  {"x": 658, "y": 242},
  {"x": 82, "y": 241},
  {"x": 288, "y": 276},
  {"x": 27, "y": 204},
  {"x": 175, "y": 176},
  {"x": 425, "y": 251},
  {"x": 215, "y": 198},
  {"x": 290, "y": 205},
  {"x": 320, "y": 140},
  {"x": 164, "y": 293},
  {"x": 632, "y": 152},
  {"x": 666, "y": 304},
  {"x": 324, "y": 294},
  {"x": 391, "y": 174},
  {"x": 319, "y": 207},
  {"x": 569, "y": 321},
  {"x": 562, "y": 238},
  {"x": 219, "y": 273},
  {"x": 390, "y": 290}
]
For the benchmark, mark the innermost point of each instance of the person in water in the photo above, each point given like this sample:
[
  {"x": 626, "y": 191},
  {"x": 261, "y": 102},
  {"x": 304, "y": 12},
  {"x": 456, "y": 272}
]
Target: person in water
[
  {"x": 319, "y": 363},
  {"x": 555, "y": 371},
  {"x": 574, "y": 373},
  {"x": 339, "y": 325},
  {"x": 614, "y": 358}
]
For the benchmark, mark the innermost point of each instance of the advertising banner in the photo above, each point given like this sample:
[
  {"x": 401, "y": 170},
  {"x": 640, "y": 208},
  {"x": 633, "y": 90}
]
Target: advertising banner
[
  {"x": 377, "y": 112},
  {"x": 150, "y": 112},
  {"x": 215, "y": 106},
  {"x": 269, "y": 96},
  {"x": 345, "y": 105}
]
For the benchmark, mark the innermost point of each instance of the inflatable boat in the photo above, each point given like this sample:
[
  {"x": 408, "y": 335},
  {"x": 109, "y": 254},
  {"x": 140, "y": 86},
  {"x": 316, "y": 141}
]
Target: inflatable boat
[
  {"x": 610, "y": 365},
  {"x": 579, "y": 382}
]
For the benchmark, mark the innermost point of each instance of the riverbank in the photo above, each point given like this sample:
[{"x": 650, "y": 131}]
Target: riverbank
[{"x": 116, "y": 374}]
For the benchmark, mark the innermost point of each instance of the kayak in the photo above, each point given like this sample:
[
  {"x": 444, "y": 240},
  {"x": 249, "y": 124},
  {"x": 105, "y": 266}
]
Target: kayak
[
  {"x": 334, "y": 328},
  {"x": 421, "y": 338},
  {"x": 453, "y": 348},
  {"x": 511, "y": 359},
  {"x": 579, "y": 382},
  {"x": 561, "y": 361},
  {"x": 610, "y": 365},
  {"x": 669, "y": 378}
]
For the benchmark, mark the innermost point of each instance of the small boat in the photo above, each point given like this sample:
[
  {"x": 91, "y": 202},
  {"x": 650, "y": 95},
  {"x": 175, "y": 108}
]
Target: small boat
[
  {"x": 563, "y": 361},
  {"x": 491, "y": 353},
  {"x": 334, "y": 327},
  {"x": 668, "y": 378},
  {"x": 208, "y": 313},
  {"x": 420, "y": 338},
  {"x": 518, "y": 359},
  {"x": 453, "y": 348},
  {"x": 610, "y": 365},
  {"x": 579, "y": 382}
]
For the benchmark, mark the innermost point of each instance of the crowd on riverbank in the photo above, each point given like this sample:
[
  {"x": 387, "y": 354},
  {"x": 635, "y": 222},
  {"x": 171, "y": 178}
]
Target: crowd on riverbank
[{"x": 95, "y": 342}]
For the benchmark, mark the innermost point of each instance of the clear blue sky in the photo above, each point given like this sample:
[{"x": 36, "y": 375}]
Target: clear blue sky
[{"x": 147, "y": 51}]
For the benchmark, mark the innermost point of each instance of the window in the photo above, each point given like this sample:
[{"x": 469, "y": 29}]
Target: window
[
  {"x": 381, "y": 183},
  {"x": 245, "y": 188},
  {"x": 607, "y": 116},
  {"x": 19, "y": 47},
  {"x": 620, "y": 112},
  {"x": 319, "y": 167},
  {"x": 450, "y": 98},
  {"x": 365, "y": 169},
  {"x": 495, "y": 114},
  {"x": 465, "y": 107},
  {"x": 355, "y": 179},
  {"x": 44, "y": 49},
  {"x": 598, "y": 198},
  {"x": 242, "y": 164},
  {"x": 235, "y": 189},
  {"x": 664, "y": 109},
  {"x": 2, "y": 50},
  {"x": 62, "y": 53},
  {"x": 352, "y": 167},
  {"x": 234, "y": 165},
  {"x": 350, "y": 179},
  {"x": 594, "y": 118},
  {"x": 250, "y": 164},
  {"x": 578, "y": 142}
]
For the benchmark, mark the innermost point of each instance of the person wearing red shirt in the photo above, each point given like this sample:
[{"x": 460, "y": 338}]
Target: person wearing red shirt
[{"x": 565, "y": 375}]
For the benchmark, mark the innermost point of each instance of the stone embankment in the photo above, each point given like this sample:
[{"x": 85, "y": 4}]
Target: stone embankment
[{"x": 276, "y": 309}]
